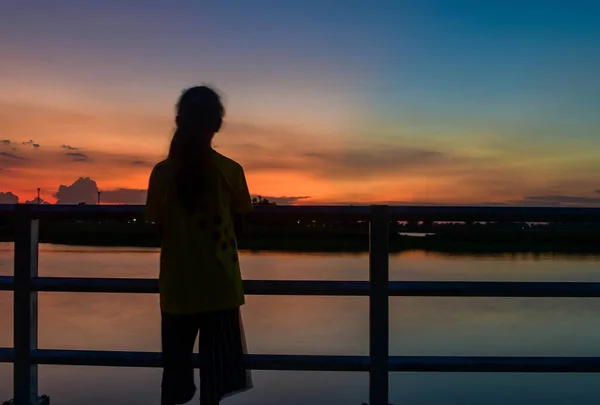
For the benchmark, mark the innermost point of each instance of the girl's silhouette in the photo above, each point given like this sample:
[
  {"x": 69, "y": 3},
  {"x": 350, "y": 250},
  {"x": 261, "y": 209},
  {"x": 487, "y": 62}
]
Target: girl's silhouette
[{"x": 197, "y": 197}]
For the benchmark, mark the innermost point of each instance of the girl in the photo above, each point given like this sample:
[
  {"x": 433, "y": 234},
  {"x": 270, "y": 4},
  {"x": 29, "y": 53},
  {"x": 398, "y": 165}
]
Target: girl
[{"x": 197, "y": 198}]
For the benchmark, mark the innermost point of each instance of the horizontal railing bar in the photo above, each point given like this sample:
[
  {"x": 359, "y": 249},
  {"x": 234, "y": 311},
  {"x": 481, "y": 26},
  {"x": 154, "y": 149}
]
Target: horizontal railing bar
[
  {"x": 433, "y": 213},
  {"x": 150, "y": 359},
  {"x": 332, "y": 288},
  {"x": 538, "y": 289},
  {"x": 95, "y": 285},
  {"x": 7, "y": 283},
  {"x": 479, "y": 364},
  {"x": 7, "y": 355},
  {"x": 150, "y": 286}
]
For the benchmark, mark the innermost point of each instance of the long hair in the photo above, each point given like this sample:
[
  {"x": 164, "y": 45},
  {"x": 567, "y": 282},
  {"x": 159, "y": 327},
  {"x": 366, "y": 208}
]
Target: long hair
[{"x": 199, "y": 116}]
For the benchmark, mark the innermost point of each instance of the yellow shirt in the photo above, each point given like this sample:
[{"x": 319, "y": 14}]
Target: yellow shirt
[{"x": 199, "y": 266}]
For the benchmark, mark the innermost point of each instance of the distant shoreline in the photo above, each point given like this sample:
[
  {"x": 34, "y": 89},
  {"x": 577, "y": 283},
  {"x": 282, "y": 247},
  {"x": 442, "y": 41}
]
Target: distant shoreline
[
  {"x": 344, "y": 245},
  {"x": 460, "y": 240}
]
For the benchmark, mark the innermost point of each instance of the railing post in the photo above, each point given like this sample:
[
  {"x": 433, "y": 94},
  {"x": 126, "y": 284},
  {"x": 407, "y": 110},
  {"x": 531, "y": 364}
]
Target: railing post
[
  {"x": 25, "y": 308},
  {"x": 379, "y": 305}
]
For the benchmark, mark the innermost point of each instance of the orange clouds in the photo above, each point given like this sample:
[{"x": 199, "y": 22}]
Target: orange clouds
[{"x": 50, "y": 146}]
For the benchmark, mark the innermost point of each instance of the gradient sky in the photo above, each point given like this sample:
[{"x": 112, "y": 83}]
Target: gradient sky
[{"x": 346, "y": 101}]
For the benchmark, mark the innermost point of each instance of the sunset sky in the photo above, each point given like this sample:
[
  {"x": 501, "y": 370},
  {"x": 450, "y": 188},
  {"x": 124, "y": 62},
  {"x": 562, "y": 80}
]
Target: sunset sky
[{"x": 328, "y": 101}]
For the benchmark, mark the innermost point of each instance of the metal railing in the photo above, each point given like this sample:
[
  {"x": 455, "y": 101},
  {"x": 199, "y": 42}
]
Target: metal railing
[{"x": 26, "y": 356}]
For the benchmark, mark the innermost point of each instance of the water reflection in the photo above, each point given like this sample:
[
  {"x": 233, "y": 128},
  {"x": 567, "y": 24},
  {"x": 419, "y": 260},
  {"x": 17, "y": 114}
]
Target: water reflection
[{"x": 325, "y": 325}]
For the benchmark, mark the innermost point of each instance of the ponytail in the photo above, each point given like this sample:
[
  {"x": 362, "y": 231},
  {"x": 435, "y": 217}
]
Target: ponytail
[{"x": 199, "y": 116}]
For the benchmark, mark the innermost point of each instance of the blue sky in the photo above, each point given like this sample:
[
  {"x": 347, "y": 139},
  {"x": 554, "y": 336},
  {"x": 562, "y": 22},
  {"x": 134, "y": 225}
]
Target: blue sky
[{"x": 511, "y": 84}]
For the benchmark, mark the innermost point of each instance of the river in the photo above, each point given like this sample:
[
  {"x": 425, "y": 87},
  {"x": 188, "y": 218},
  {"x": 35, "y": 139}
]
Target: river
[{"x": 325, "y": 325}]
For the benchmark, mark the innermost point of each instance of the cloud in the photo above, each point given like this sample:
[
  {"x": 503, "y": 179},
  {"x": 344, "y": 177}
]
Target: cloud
[
  {"x": 124, "y": 196},
  {"x": 31, "y": 143},
  {"x": 78, "y": 156},
  {"x": 8, "y": 142},
  {"x": 68, "y": 147},
  {"x": 12, "y": 156},
  {"x": 377, "y": 161},
  {"x": 8, "y": 198},
  {"x": 375, "y": 157},
  {"x": 143, "y": 163},
  {"x": 84, "y": 189},
  {"x": 74, "y": 153},
  {"x": 283, "y": 200},
  {"x": 356, "y": 162}
]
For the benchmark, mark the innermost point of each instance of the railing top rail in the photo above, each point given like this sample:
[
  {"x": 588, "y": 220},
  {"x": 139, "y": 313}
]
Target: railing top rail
[
  {"x": 330, "y": 288},
  {"x": 400, "y": 213},
  {"x": 287, "y": 362}
]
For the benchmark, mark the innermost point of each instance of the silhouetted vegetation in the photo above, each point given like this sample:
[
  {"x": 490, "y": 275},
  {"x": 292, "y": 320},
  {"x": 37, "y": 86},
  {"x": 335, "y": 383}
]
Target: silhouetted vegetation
[{"x": 262, "y": 201}]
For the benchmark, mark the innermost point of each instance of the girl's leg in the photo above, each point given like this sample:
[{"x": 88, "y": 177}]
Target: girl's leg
[{"x": 178, "y": 337}]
